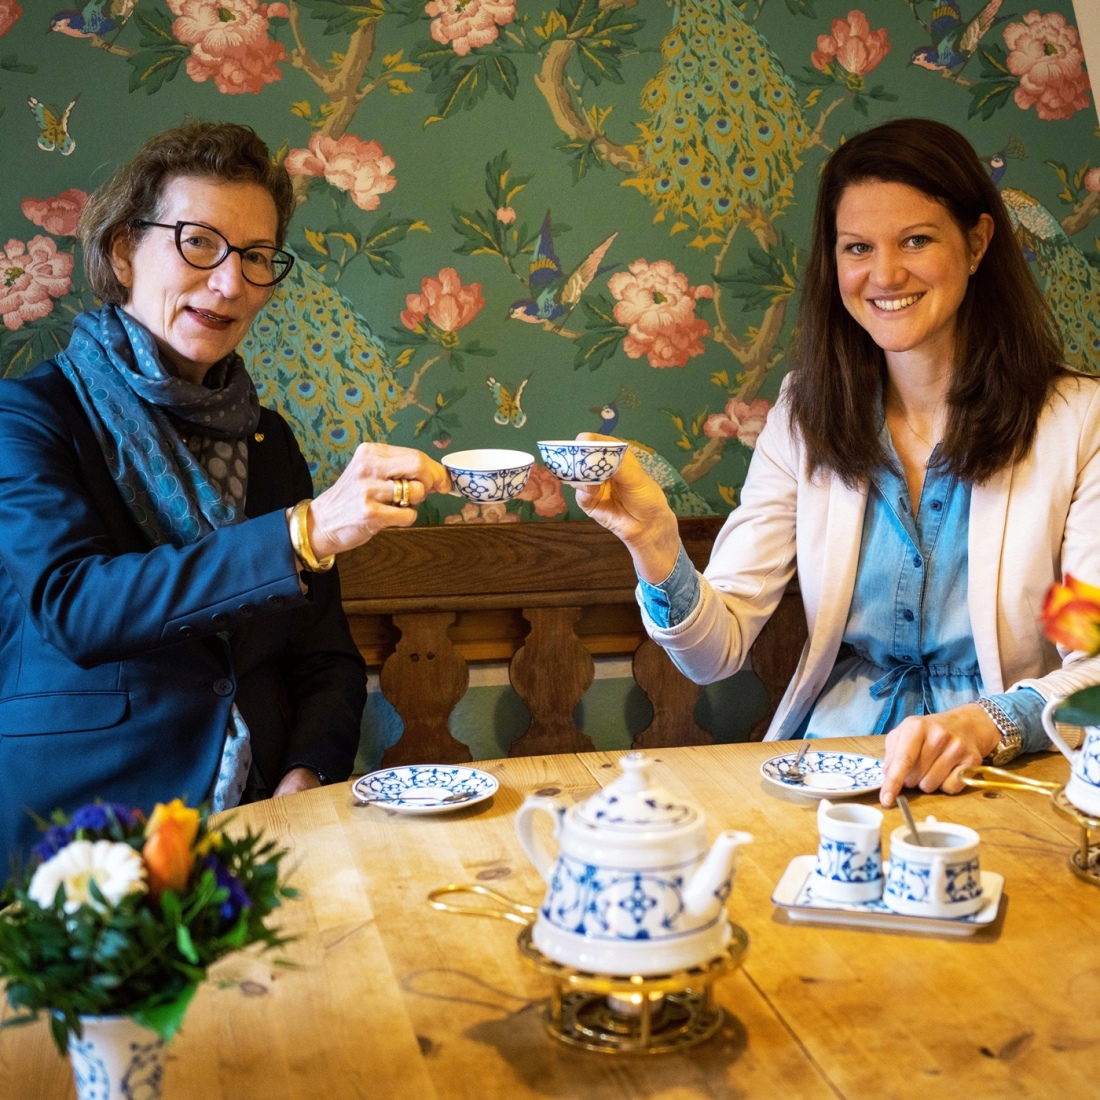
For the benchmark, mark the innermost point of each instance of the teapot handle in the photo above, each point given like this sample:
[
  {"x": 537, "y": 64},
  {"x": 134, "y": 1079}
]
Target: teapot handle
[
  {"x": 537, "y": 852},
  {"x": 1052, "y": 732}
]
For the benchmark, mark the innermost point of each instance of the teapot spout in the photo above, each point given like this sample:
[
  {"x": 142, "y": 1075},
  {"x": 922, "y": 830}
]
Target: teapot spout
[{"x": 709, "y": 887}]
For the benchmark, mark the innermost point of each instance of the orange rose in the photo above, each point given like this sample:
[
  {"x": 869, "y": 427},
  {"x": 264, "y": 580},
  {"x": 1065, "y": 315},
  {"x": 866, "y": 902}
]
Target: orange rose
[
  {"x": 170, "y": 833},
  {"x": 1071, "y": 615}
]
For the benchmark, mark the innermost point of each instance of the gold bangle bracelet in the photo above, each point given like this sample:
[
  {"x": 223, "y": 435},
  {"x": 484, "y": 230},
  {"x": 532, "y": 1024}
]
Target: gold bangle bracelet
[{"x": 299, "y": 540}]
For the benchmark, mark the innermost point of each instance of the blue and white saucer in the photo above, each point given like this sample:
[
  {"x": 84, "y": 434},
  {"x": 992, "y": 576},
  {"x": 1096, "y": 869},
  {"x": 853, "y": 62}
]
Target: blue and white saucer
[
  {"x": 423, "y": 788},
  {"x": 826, "y": 774},
  {"x": 794, "y": 894}
]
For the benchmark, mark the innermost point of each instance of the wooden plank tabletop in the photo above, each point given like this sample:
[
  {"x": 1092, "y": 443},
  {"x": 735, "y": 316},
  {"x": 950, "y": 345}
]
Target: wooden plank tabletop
[{"x": 392, "y": 999}]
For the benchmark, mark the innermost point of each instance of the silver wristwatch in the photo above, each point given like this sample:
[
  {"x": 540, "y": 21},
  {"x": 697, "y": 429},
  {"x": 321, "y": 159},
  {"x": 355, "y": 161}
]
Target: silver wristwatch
[{"x": 1011, "y": 743}]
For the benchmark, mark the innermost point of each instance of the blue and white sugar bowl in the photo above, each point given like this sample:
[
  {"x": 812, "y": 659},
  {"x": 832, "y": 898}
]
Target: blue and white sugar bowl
[{"x": 634, "y": 888}]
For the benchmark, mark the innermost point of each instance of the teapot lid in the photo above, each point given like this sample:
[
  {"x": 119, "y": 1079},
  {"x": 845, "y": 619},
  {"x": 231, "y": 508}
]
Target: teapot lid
[{"x": 634, "y": 802}]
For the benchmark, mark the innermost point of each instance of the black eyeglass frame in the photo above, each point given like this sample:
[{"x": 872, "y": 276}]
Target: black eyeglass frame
[{"x": 229, "y": 248}]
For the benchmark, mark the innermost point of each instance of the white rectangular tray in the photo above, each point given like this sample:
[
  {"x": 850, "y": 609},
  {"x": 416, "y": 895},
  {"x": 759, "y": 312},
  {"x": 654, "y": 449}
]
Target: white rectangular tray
[{"x": 793, "y": 894}]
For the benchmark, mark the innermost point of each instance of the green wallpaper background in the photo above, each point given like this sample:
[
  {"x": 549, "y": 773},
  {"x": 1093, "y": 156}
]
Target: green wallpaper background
[{"x": 519, "y": 219}]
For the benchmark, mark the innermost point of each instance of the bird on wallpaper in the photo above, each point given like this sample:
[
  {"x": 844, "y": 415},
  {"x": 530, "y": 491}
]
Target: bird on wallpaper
[
  {"x": 609, "y": 413},
  {"x": 555, "y": 295},
  {"x": 998, "y": 162},
  {"x": 725, "y": 127},
  {"x": 314, "y": 357},
  {"x": 507, "y": 403},
  {"x": 97, "y": 18},
  {"x": 682, "y": 499},
  {"x": 1070, "y": 283},
  {"x": 954, "y": 42},
  {"x": 53, "y": 126}
]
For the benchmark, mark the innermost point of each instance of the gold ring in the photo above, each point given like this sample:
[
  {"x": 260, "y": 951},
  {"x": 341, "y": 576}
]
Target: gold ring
[{"x": 401, "y": 492}]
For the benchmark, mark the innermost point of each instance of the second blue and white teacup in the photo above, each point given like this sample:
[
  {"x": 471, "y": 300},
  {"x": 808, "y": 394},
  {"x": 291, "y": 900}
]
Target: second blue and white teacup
[
  {"x": 849, "y": 854},
  {"x": 939, "y": 877},
  {"x": 580, "y": 462}
]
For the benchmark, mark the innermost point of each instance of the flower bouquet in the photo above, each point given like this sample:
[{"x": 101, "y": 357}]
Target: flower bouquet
[
  {"x": 117, "y": 916},
  {"x": 1071, "y": 617}
]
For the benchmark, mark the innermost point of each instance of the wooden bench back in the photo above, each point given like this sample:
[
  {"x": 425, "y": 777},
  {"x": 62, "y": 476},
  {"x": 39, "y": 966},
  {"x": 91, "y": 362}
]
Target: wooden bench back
[{"x": 547, "y": 597}]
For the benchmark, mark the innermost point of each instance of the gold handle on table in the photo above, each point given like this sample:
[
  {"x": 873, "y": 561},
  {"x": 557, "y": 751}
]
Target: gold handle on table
[
  {"x": 1009, "y": 781},
  {"x": 507, "y": 908}
]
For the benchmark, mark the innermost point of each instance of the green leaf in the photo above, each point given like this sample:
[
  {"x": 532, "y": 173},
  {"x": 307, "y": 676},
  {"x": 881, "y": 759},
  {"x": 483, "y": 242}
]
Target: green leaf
[
  {"x": 994, "y": 61},
  {"x": 502, "y": 74},
  {"x": 801, "y": 7},
  {"x": 596, "y": 346},
  {"x": 155, "y": 27},
  {"x": 770, "y": 277},
  {"x": 12, "y": 64},
  {"x": 1082, "y": 708},
  {"x": 153, "y": 69},
  {"x": 989, "y": 97},
  {"x": 583, "y": 155},
  {"x": 458, "y": 90},
  {"x": 166, "y": 1019},
  {"x": 185, "y": 944},
  {"x": 598, "y": 64},
  {"x": 343, "y": 17}
]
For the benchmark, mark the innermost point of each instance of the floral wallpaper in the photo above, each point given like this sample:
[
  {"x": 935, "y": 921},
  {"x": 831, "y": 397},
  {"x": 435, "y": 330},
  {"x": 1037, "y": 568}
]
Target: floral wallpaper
[{"x": 520, "y": 219}]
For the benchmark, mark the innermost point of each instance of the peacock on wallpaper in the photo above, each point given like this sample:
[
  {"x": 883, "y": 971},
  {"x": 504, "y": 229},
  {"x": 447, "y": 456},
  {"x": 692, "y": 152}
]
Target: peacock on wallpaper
[{"x": 521, "y": 219}]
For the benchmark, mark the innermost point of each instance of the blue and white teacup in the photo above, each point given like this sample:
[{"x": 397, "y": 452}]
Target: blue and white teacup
[
  {"x": 1083, "y": 788},
  {"x": 489, "y": 475},
  {"x": 940, "y": 877},
  {"x": 580, "y": 462},
  {"x": 849, "y": 854}
]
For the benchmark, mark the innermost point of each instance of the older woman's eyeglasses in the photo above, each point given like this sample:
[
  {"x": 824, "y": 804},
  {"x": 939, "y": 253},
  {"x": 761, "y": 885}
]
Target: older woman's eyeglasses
[{"x": 206, "y": 248}]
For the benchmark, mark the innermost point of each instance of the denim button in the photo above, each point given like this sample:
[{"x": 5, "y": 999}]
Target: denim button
[
  {"x": 916, "y": 561},
  {"x": 907, "y": 615},
  {"x": 223, "y": 687},
  {"x": 187, "y": 631},
  {"x": 245, "y": 609},
  {"x": 220, "y": 620},
  {"x": 937, "y": 505},
  {"x": 275, "y": 601}
]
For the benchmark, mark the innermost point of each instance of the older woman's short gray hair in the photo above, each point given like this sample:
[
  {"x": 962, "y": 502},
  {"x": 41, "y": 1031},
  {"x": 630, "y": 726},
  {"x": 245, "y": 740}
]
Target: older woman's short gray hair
[{"x": 204, "y": 150}]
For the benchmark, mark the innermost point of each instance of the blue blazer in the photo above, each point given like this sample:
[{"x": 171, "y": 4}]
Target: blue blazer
[{"x": 119, "y": 663}]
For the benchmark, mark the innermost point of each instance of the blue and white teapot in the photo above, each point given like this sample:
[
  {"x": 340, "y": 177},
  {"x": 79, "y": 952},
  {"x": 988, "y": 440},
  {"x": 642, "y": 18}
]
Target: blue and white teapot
[{"x": 634, "y": 889}]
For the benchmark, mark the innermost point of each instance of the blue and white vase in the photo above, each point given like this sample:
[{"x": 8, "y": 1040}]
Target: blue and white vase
[{"x": 117, "y": 1059}]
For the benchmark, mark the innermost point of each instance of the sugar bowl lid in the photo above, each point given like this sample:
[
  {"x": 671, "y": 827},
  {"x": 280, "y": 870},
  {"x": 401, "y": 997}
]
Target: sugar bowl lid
[{"x": 635, "y": 802}]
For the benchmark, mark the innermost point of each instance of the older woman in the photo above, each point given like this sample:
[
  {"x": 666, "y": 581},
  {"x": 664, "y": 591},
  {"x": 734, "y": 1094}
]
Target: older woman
[
  {"x": 929, "y": 469},
  {"x": 170, "y": 624}
]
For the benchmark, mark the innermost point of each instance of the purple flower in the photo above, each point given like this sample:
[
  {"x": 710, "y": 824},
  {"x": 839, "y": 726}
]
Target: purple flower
[
  {"x": 238, "y": 897},
  {"x": 100, "y": 816},
  {"x": 56, "y": 837},
  {"x": 96, "y": 817}
]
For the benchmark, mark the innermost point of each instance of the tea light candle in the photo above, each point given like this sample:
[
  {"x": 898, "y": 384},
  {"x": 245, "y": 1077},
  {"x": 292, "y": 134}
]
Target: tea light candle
[{"x": 631, "y": 1004}]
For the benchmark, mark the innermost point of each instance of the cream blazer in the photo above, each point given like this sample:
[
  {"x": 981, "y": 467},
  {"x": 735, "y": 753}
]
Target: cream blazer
[{"x": 1029, "y": 525}]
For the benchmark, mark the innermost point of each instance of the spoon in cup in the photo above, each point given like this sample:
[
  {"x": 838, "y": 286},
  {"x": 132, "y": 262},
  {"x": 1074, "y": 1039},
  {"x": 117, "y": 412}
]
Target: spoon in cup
[{"x": 903, "y": 805}]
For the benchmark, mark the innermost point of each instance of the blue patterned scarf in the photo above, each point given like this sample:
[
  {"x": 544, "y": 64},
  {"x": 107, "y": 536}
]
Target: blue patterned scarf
[{"x": 131, "y": 400}]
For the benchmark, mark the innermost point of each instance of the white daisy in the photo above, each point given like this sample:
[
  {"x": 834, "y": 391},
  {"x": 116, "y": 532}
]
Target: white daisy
[{"x": 115, "y": 868}]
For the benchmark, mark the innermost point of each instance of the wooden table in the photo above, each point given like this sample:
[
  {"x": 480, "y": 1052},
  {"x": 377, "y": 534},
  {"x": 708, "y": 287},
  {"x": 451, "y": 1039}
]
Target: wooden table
[{"x": 392, "y": 1000}]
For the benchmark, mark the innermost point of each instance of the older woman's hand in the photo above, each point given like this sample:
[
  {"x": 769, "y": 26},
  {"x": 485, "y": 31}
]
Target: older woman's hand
[
  {"x": 362, "y": 502},
  {"x": 927, "y": 752},
  {"x": 632, "y": 506}
]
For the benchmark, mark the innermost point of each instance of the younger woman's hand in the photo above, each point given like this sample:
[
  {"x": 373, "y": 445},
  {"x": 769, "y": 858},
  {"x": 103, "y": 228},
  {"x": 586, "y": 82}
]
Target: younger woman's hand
[
  {"x": 632, "y": 506},
  {"x": 928, "y": 751}
]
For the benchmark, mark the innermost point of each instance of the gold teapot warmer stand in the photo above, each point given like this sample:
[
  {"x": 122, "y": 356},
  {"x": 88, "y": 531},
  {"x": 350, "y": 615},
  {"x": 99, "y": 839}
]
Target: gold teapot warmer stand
[
  {"x": 614, "y": 1014},
  {"x": 1084, "y": 861}
]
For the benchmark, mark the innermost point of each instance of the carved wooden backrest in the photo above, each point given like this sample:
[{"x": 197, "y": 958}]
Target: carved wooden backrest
[{"x": 426, "y": 601}]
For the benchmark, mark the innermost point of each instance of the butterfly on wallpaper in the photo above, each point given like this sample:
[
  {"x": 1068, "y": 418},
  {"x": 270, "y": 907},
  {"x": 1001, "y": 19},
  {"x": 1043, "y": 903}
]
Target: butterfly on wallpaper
[
  {"x": 508, "y": 409},
  {"x": 53, "y": 129}
]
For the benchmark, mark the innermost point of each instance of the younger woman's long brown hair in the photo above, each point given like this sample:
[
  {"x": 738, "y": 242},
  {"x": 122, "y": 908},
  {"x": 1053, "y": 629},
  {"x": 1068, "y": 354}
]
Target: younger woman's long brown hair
[{"x": 1008, "y": 351}]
